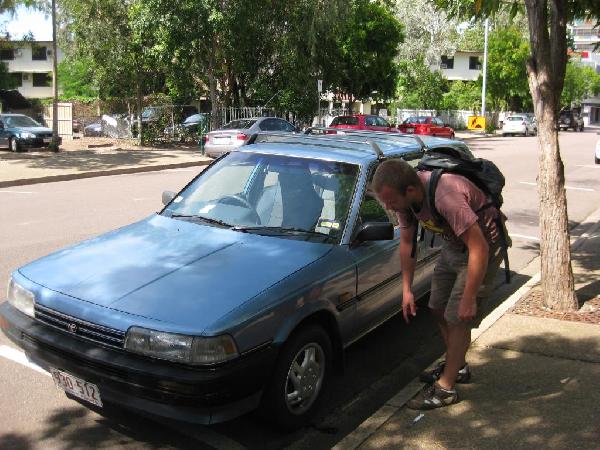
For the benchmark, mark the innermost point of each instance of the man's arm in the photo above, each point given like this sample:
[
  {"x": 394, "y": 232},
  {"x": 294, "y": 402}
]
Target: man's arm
[
  {"x": 478, "y": 248},
  {"x": 408, "y": 270}
]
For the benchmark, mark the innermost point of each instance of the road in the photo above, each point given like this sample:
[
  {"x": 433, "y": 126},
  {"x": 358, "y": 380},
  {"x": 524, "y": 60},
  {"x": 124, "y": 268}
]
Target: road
[{"x": 38, "y": 219}]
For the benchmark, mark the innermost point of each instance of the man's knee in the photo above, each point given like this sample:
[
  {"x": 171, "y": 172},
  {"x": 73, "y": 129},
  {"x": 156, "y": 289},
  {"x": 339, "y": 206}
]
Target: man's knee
[{"x": 438, "y": 314}]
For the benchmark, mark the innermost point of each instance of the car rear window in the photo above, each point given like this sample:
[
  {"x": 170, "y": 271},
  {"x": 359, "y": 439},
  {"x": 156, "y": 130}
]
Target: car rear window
[
  {"x": 239, "y": 124},
  {"x": 345, "y": 120},
  {"x": 416, "y": 120}
]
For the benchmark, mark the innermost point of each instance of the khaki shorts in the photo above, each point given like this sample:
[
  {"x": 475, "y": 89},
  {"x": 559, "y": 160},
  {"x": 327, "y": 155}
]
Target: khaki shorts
[{"x": 450, "y": 276}]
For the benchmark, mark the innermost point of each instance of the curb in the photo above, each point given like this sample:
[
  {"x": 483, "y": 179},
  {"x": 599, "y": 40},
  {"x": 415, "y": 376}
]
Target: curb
[
  {"x": 372, "y": 424},
  {"x": 99, "y": 173}
]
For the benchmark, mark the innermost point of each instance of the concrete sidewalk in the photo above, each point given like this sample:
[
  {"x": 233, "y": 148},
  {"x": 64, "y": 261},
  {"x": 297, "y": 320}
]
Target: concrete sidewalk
[
  {"x": 42, "y": 166},
  {"x": 536, "y": 381}
]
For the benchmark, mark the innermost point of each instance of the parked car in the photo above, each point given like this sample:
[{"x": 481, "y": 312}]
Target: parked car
[
  {"x": 242, "y": 292},
  {"x": 362, "y": 122},
  {"x": 19, "y": 132},
  {"x": 597, "y": 156},
  {"x": 432, "y": 126},
  {"x": 93, "y": 129},
  {"x": 570, "y": 119},
  {"x": 519, "y": 124},
  {"x": 193, "y": 126},
  {"x": 233, "y": 135}
]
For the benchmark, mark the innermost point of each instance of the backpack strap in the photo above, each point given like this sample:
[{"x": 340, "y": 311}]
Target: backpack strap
[{"x": 433, "y": 182}]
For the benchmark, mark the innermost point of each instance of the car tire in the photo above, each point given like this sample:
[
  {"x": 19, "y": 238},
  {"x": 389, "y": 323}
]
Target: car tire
[
  {"x": 581, "y": 128},
  {"x": 13, "y": 145},
  {"x": 526, "y": 134},
  {"x": 597, "y": 160},
  {"x": 309, "y": 350}
]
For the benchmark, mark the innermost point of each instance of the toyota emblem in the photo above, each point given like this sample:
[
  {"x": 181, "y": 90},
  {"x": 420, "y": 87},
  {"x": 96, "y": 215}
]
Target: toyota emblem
[{"x": 73, "y": 327}]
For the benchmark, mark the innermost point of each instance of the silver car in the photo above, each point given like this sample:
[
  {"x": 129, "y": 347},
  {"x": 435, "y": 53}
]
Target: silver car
[
  {"x": 597, "y": 156},
  {"x": 519, "y": 124},
  {"x": 234, "y": 134}
]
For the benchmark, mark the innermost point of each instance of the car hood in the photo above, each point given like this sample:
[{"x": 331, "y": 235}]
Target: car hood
[
  {"x": 32, "y": 129},
  {"x": 172, "y": 271}
]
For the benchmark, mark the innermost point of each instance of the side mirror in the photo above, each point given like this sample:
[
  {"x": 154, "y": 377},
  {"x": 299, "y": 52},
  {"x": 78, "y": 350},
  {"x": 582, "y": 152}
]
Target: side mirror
[
  {"x": 167, "y": 197},
  {"x": 375, "y": 231}
]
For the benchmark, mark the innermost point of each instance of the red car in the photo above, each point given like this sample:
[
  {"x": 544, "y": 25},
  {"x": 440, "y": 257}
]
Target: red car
[
  {"x": 432, "y": 126},
  {"x": 362, "y": 122}
]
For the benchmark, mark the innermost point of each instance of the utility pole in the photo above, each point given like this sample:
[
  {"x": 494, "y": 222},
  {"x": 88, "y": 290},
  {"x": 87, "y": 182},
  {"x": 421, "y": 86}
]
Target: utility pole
[
  {"x": 54, "y": 82},
  {"x": 485, "y": 49},
  {"x": 319, "y": 90}
]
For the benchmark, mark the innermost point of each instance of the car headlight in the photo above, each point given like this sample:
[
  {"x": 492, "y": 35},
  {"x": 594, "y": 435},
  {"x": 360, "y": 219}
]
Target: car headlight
[
  {"x": 179, "y": 347},
  {"x": 21, "y": 298},
  {"x": 26, "y": 135}
]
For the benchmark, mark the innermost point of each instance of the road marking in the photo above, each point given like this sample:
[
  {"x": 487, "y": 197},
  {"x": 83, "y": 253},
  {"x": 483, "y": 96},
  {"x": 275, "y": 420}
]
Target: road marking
[
  {"x": 17, "y": 192},
  {"x": 19, "y": 357},
  {"x": 523, "y": 236},
  {"x": 570, "y": 188},
  {"x": 589, "y": 166}
]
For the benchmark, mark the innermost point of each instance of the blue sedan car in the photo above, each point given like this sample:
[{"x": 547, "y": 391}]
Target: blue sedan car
[
  {"x": 19, "y": 132},
  {"x": 243, "y": 292}
]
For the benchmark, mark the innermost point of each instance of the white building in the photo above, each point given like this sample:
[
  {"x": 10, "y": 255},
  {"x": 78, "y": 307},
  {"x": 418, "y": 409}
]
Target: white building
[
  {"x": 30, "y": 64},
  {"x": 585, "y": 39},
  {"x": 463, "y": 65}
]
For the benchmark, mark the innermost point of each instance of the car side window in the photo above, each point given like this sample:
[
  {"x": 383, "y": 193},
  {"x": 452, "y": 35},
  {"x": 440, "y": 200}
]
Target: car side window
[
  {"x": 371, "y": 121},
  {"x": 286, "y": 126},
  {"x": 381, "y": 122},
  {"x": 438, "y": 122},
  {"x": 268, "y": 125}
]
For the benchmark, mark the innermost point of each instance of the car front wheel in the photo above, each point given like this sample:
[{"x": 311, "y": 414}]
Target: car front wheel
[{"x": 301, "y": 373}]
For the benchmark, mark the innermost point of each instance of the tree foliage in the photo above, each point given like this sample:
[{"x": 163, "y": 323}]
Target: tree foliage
[
  {"x": 464, "y": 95},
  {"x": 580, "y": 82},
  {"x": 419, "y": 87}
]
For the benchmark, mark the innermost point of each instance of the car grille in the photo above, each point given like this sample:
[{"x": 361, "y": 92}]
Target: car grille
[
  {"x": 80, "y": 328},
  {"x": 44, "y": 135}
]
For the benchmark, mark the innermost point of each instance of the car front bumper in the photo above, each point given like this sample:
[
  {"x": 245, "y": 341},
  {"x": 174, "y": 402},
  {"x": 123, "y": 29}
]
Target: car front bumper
[
  {"x": 35, "y": 142},
  {"x": 202, "y": 395}
]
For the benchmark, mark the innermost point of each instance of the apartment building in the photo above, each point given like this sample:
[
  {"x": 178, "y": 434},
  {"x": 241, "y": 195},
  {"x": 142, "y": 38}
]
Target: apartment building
[
  {"x": 585, "y": 39},
  {"x": 30, "y": 64},
  {"x": 463, "y": 65}
]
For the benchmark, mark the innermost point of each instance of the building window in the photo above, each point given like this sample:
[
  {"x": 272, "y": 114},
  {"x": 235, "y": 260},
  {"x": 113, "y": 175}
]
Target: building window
[
  {"x": 447, "y": 62},
  {"x": 7, "y": 54},
  {"x": 17, "y": 78},
  {"x": 474, "y": 63},
  {"x": 42, "y": 80},
  {"x": 38, "y": 53}
]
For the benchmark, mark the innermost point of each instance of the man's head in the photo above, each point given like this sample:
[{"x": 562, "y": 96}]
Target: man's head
[{"x": 397, "y": 185}]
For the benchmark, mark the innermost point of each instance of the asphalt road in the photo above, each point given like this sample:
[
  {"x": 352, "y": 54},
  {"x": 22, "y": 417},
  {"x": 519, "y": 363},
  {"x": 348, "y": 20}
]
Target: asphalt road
[{"x": 41, "y": 218}]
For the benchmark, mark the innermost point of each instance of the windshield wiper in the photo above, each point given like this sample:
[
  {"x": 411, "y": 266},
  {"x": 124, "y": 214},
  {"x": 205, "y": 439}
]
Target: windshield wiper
[
  {"x": 283, "y": 230},
  {"x": 203, "y": 218}
]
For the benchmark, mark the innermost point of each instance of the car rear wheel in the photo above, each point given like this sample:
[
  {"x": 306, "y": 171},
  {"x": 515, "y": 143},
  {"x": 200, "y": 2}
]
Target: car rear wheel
[
  {"x": 13, "y": 145},
  {"x": 597, "y": 160},
  {"x": 299, "y": 378}
]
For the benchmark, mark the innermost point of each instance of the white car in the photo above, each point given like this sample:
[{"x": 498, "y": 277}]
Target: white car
[
  {"x": 519, "y": 124},
  {"x": 597, "y": 158}
]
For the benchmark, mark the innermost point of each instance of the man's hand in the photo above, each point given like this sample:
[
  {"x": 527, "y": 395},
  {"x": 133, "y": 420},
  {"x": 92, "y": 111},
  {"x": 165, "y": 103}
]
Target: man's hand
[
  {"x": 467, "y": 309},
  {"x": 408, "y": 305}
]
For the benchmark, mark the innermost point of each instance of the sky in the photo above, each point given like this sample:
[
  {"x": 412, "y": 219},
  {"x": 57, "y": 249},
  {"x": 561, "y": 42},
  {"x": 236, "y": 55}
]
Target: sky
[{"x": 26, "y": 20}]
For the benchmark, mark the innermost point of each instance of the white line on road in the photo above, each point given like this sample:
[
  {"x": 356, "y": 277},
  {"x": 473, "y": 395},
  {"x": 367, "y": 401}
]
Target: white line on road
[
  {"x": 589, "y": 166},
  {"x": 19, "y": 357},
  {"x": 524, "y": 236},
  {"x": 571, "y": 188},
  {"x": 16, "y": 192}
]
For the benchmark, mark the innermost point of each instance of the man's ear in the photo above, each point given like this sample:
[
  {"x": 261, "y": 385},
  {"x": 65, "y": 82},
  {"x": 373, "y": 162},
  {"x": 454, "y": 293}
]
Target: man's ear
[{"x": 411, "y": 190}]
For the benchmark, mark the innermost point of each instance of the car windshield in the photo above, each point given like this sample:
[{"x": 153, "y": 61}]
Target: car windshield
[
  {"x": 416, "y": 120},
  {"x": 239, "y": 124},
  {"x": 195, "y": 118},
  {"x": 344, "y": 120},
  {"x": 19, "y": 121},
  {"x": 274, "y": 195}
]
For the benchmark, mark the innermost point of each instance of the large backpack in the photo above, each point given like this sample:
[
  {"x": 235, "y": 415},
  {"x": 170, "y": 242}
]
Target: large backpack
[{"x": 481, "y": 172}]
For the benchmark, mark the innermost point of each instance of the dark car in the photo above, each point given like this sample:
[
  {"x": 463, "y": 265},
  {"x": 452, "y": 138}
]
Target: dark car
[
  {"x": 19, "y": 132},
  {"x": 570, "y": 119},
  {"x": 191, "y": 128},
  {"x": 431, "y": 126},
  {"x": 362, "y": 122}
]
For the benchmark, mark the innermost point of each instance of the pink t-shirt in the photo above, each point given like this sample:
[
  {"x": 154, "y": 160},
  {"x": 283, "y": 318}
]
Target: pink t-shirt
[{"x": 456, "y": 200}]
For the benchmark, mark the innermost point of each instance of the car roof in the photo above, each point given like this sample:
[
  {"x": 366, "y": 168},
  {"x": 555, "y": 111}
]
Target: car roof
[{"x": 354, "y": 148}]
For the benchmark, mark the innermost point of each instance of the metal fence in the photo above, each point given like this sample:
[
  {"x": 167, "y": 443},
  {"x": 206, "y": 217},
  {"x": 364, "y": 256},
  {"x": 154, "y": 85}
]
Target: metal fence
[{"x": 457, "y": 119}]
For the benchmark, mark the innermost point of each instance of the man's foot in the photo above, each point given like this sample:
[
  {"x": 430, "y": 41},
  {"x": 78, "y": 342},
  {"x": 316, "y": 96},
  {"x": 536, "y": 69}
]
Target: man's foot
[
  {"x": 431, "y": 376},
  {"x": 433, "y": 396}
]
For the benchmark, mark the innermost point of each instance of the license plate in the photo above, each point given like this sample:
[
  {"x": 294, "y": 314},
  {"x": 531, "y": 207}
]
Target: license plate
[
  {"x": 77, "y": 387},
  {"x": 221, "y": 140},
  {"x": 47, "y": 140}
]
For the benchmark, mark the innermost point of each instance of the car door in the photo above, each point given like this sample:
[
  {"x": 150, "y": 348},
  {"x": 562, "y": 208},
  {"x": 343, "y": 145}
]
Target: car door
[{"x": 379, "y": 280}]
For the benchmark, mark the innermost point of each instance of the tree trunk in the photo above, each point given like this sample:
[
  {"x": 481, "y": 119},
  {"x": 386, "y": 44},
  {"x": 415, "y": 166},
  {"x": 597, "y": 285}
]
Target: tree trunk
[
  {"x": 546, "y": 70},
  {"x": 212, "y": 87},
  {"x": 138, "y": 104}
]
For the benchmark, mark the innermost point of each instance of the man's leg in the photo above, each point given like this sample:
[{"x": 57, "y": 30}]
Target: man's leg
[
  {"x": 458, "y": 341},
  {"x": 438, "y": 314}
]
